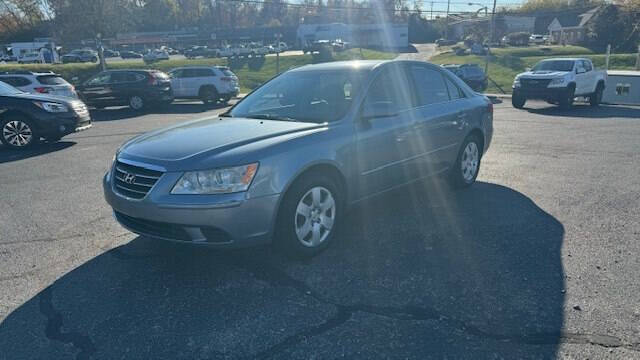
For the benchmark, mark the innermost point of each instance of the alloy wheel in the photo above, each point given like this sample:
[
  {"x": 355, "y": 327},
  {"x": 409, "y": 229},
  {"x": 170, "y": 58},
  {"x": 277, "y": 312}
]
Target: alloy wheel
[
  {"x": 315, "y": 216},
  {"x": 17, "y": 133},
  {"x": 136, "y": 102},
  {"x": 470, "y": 161}
]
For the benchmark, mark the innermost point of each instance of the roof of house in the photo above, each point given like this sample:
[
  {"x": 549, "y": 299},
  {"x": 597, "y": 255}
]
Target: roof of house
[{"x": 576, "y": 20}]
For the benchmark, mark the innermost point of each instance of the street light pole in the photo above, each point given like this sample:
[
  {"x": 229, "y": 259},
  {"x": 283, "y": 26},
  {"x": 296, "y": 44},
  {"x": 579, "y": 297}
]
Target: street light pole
[
  {"x": 446, "y": 25},
  {"x": 491, "y": 30}
]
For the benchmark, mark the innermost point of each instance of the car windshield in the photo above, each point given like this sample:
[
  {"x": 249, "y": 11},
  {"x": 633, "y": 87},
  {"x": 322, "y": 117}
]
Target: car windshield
[
  {"x": 554, "y": 65},
  {"x": 6, "y": 89},
  {"x": 307, "y": 96}
]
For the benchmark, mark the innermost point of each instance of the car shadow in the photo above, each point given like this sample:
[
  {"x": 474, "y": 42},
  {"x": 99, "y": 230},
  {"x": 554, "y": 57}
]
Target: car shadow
[
  {"x": 9, "y": 155},
  {"x": 587, "y": 111},
  {"x": 417, "y": 273},
  {"x": 122, "y": 113}
]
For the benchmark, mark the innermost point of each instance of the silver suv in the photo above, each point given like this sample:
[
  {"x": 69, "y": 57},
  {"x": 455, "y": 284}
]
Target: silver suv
[
  {"x": 286, "y": 162},
  {"x": 39, "y": 83}
]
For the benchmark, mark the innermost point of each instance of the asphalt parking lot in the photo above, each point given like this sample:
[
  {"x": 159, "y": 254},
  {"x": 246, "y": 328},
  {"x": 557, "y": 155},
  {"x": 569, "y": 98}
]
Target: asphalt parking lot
[{"x": 537, "y": 260}]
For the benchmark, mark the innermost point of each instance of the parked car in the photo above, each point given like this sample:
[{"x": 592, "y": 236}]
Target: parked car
[
  {"x": 208, "y": 83},
  {"x": 32, "y": 57},
  {"x": 316, "y": 46},
  {"x": 287, "y": 161},
  {"x": 155, "y": 55},
  {"x": 471, "y": 74},
  {"x": 197, "y": 51},
  {"x": 445, "y": 42},
  {"x": 8, "y": 58},
  {"x": 130, "y": 55},
  {"x": 26, "y": 118},
  {"x": 110, "y": 53},
  {"x": 560, "y": 81},
  {"x": 282, "y": 47},
  {"x": 536, "y": 39},
  {"x": 39, "y": 83},
  {"x": 138, "y": 89},
  {"x": 256, "y": 49},
  {"x": 339, "y": 45},
  {"x": 80, "y": 56}
]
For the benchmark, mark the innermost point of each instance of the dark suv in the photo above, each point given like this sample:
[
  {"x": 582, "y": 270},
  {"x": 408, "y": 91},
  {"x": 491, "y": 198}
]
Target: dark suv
[
  {"x": 26, "y": 118},
  {"x": 471, "y": 74},
  {"x": 136, "y": 88}
]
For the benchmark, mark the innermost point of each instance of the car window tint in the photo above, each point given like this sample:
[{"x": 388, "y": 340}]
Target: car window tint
[
  {"x": 391, "y": 87},
  {"x": 586, "y": 65},
  {"x": 120, "y": 77},
  {"x": 177, "y": 74},
  {"x": 454, "y": 91},
  {"x": 430, "y": 85},
  {"x": 205, "y": 72},
  {"x": 16, "y": 81},
  {"x": 100, "y": 79},
  {"x": 51, "y": 80},
  {"x": 190, "y": 73}
]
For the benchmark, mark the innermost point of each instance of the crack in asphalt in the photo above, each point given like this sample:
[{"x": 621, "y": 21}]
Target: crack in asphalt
[
  {"x": 277, "y": 277},
  {"x": 53, "y": 329}
]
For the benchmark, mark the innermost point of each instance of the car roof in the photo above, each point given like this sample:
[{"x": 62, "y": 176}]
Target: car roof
[
  {"x": 340, "y": 65},
  {"x": 567, "y": 58}
]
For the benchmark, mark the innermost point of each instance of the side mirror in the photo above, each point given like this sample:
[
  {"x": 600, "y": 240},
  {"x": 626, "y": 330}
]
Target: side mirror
[
  {"x": 381, "y": 109},
  {"x": 527, "y": 69}
]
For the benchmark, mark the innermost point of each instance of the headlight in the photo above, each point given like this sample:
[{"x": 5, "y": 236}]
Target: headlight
[
  {"x": 51, "y": 107},
  {"x": 217, "y": 181},
  {"x": 556, "y": 82},
  {"x": 516, "y": 83}
]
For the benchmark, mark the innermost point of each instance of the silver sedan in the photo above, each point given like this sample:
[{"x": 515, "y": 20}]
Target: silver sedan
[{"x": 286, "y": 162}]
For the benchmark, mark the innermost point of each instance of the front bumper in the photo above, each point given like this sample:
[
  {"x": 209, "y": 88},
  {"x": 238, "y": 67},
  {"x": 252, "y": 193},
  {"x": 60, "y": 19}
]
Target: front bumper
[
  {"x": 59, "y": 125},
  {"x": 549, "y": 94},
  {"x": 226, "y": 221}
]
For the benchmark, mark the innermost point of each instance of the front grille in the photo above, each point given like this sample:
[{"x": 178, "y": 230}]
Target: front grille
[
  {"x": 534, "y": 84},
  {"x": 153, "y": 228},
  {"x": 80, "y": 109},
  {"x": 134, "y": 181}
]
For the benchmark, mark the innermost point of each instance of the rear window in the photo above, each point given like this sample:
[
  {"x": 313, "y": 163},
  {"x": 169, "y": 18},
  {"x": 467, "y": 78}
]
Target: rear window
[
  {"x": 51, "y": 80},
  {"x": 16, "y": 80}
]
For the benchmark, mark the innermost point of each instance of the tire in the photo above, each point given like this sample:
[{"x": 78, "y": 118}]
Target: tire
[
  {"x": 467, "y": 166},
  {"x": 596, "y": 97},
  {"x": 299, "y": 207},
  {"x": 518, "y": 101},
  {"x": 209, "y": 94},
  {"x": 567, "y": 101},
  {"x": 18, "y": 132},
  {"x": 136, "y": 102}
]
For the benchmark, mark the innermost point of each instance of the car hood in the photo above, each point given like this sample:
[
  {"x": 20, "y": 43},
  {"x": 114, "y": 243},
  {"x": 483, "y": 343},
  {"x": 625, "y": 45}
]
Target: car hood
[
  {"x": 546, "y": 74},
  {"x": 206, "y": 136},
  {"x": 47, "y": 97}
]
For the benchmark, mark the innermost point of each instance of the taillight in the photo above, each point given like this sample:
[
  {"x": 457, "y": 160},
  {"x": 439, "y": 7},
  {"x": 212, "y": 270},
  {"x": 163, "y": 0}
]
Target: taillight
[
  {"x": 42, "y": 90},
  {"x": 226, "y": 78}
]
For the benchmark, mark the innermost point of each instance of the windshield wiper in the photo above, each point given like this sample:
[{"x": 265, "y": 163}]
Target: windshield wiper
[
  {"x": 270, "y": 117},
  {"x": 225, "y": 114}
]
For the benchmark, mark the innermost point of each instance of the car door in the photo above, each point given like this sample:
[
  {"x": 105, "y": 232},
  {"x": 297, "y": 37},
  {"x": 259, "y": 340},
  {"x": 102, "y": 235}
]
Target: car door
[
  {"x": 439, "y": 115},
  {"x": 384, "y": 141},
  {"x": 581, "y": 78},
  {"x": 590, "y": 77},
  {"x": 97, "y": 90},
  {"x": 177, "y": 83}
]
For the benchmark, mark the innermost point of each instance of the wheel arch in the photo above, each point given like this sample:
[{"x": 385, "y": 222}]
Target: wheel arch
[
  {"x": 480, "y": 135},
  {"x": 207, "y": 86}
]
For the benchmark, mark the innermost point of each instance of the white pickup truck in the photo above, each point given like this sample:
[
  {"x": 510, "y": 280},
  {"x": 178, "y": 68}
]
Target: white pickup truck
[{"x": 559, "y": 81}]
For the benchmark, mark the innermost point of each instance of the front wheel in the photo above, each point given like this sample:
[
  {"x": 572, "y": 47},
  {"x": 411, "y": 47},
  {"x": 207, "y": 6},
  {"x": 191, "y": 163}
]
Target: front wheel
[
  {"x": 18, "y": 133},
  {"x": 567, "y": 101},
  {"x": 467, "y": 166},
  {"x": 518, "y": 101},
  {"x": 596, "y": 97},
  {"x": 309, "y": 216}
]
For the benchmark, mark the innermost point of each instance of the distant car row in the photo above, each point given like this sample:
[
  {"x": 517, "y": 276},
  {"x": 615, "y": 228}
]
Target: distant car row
[{"x": 44, "y": 105}]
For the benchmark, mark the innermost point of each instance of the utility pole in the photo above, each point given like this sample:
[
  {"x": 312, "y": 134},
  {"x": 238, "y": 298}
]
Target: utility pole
[
  {"x": 638, "y": 59},
  {"x": 431, "y": 16},
  {"x": 278, "y": 35},
  {"x": 491, "y": 30},
  {"x": 446, "y": 25}
]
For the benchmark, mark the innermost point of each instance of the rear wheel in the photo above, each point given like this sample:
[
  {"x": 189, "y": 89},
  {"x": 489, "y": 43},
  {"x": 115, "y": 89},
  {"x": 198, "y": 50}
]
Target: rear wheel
[
  {"x": 209, "y": 95},
  {"x": 309, "y": 215},
  {"x": 136, "y": 102},
  {"x": 467, "y": 166},
  {"x": 17, "y": 132},
  {"x": 596, "y": 97}
]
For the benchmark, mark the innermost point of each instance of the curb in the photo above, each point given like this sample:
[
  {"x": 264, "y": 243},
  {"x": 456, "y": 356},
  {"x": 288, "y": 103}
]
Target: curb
[{"x": 499, "y": 96}]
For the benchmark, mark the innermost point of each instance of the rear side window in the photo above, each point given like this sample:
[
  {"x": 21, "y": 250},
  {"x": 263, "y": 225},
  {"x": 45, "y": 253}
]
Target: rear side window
[
  {"x": 587, "y": 65},
  {"x": 430, "y": 85},
  {"x": 454, "y": 91},
  {"x": 205, "y": 72},
  {"x": 227, "y": 72},
  {"x": 51, "y": 80},
  {"x": 16, "y": 81}
]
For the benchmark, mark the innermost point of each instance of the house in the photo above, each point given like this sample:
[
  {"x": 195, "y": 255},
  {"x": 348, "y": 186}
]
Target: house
[{"x": 570, "y": 28}]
